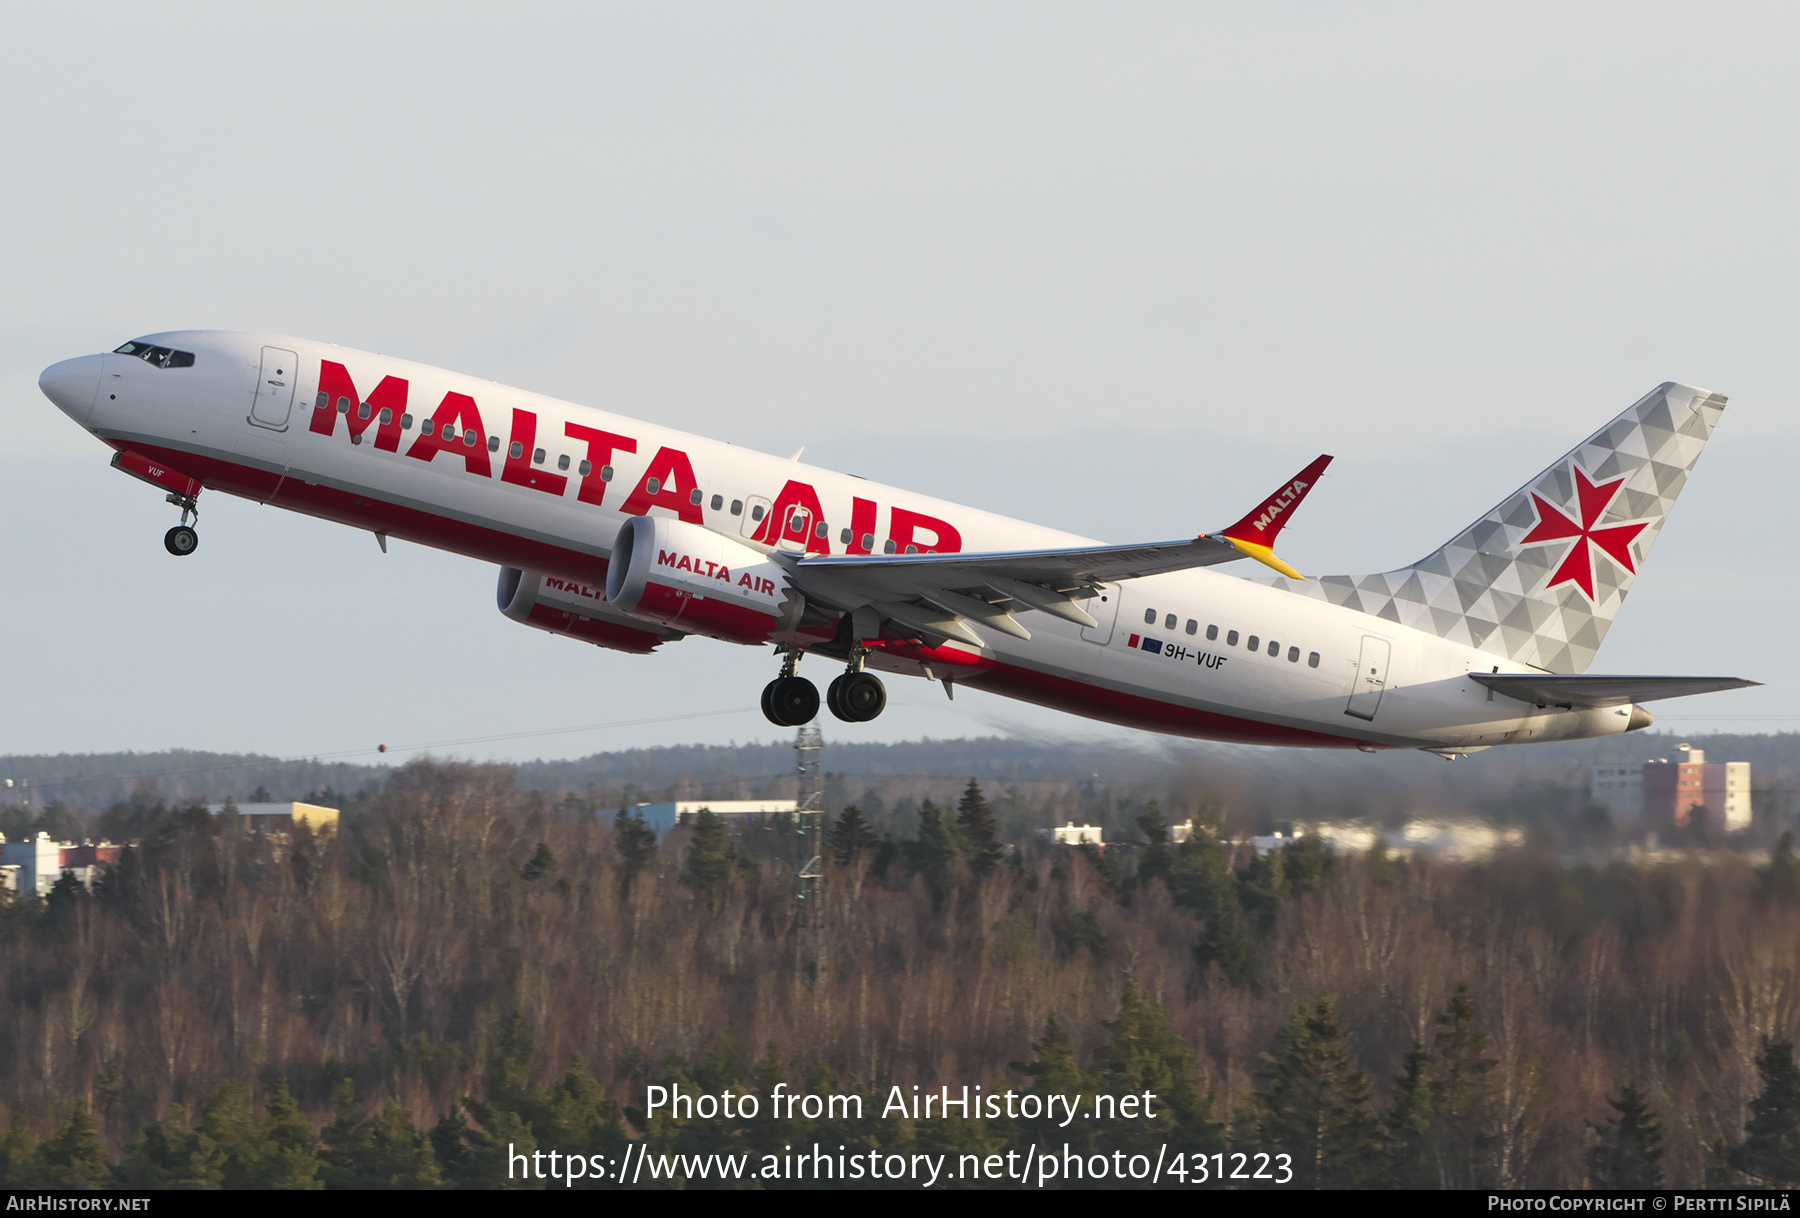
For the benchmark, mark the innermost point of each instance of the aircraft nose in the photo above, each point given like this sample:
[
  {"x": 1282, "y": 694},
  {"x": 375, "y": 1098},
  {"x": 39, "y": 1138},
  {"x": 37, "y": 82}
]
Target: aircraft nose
[{"x": 73, "y": 385}]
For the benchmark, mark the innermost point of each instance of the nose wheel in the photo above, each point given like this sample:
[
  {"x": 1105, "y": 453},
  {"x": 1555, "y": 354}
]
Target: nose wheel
[{"x": 181, "y": 541}]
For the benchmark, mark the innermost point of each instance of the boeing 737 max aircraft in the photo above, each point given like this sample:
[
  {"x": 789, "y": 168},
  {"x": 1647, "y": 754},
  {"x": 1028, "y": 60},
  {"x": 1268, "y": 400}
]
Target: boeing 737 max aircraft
[{"x": 630, "y": 535}]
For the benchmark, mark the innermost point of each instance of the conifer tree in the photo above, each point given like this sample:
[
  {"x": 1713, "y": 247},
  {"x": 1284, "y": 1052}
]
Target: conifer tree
[
  {"x": 1316, "y": 1104},
  {"x": 225, "y": 1121},
  {"x": 1464, "y": 1096},
  {"x": 1054, "y": 1070},
  {"x": 1155, "y": 858},
  {"x": 710, "y": 857},
  {"x": 72, "y": 1157},
  {"x": 290, "y": 1148},
  {"x": 1629, "y": 1153},
  {"x": 18, "y": 1158},
  {"x": 1144, "y": 1055},
  {"x": 976, "y": 820},
  {"x": 1770, "y": 1151},
  {"x": 850, "y": 837},
  {"x": 636, "y": 843},
  {"x": 1411, "y": 1163}
]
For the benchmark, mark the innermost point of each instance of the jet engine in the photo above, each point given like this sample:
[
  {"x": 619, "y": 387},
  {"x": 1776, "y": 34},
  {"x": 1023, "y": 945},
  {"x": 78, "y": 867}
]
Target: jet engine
[
  {"x": 692, "y": 579},
  {"x": 562, "y": 606}
]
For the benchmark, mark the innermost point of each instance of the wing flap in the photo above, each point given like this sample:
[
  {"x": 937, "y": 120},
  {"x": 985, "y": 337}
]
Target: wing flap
[{"x": 1593, "y": 690}]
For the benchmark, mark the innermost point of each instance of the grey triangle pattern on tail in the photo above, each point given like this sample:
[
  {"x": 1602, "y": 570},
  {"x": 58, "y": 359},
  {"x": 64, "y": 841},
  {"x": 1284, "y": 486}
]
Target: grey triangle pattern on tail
[{"x": 1489, "y": 589}]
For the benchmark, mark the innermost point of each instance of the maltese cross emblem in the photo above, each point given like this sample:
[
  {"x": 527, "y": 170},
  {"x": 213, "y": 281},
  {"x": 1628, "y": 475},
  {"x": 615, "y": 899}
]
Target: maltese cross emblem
[{"x": 1591, "y": 503}]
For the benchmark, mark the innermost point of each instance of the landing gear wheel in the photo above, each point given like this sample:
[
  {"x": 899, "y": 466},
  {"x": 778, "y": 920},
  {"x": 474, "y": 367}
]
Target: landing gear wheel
[
  {"x": 833, "y": 699},
  {"x": 768, "y": 704},
  {"x": 793, "y": 701},
  {"x": 862, "y": 696},
  {"x": 181, "y": 541}
]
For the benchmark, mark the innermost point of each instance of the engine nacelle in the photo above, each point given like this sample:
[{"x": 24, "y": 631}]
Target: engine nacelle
[
  {"x": 562, "y": 606},
  {"x": 681, "y": 575}
]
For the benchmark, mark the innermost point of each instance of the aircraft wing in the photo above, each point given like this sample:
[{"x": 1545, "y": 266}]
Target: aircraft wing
[
  {"x": 934, "y": 595},
  {"x": 1590, "y": 689}
]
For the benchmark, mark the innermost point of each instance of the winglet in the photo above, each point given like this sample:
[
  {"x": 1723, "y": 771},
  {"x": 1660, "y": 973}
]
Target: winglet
[{"x": 1254, "y": 535}]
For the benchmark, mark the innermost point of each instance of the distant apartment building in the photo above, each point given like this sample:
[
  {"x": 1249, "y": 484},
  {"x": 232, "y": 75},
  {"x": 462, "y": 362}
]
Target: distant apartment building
[
  {"x": 1073, "y": 834},
  {"x": 35, "y": 865},
  {"x": 664, "y": 817},
  {"x": 281, "y": 817},
  {"x": 1674, "y": 793}
]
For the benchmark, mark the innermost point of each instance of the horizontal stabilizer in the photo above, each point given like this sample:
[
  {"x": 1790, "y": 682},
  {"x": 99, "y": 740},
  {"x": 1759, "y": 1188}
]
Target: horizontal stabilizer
[{"x": 1591, "y": 690}]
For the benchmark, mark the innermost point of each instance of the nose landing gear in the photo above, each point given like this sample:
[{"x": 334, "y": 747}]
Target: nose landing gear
[
  {"x": 182, "y": 540},
  {"x": 789, "y": 700},
  {"x": 857, "y": 696}
]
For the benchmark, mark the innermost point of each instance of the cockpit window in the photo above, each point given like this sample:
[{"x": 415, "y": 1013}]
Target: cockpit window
[{"x": 162, "y": 357}]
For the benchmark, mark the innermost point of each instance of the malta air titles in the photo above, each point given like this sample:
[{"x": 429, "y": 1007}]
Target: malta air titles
[{"x": 630, "y": 535}]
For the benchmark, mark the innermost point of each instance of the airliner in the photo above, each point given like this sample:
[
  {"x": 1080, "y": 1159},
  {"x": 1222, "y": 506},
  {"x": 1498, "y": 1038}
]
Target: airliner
[{"x": 630, "y": 535}]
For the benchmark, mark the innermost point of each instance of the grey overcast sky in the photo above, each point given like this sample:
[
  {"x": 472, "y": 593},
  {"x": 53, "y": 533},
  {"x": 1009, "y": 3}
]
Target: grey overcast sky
[{"x": 1119, "y": 268}]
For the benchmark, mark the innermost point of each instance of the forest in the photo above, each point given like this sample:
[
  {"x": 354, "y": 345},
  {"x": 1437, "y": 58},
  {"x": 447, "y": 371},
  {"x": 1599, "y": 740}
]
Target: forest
[{"x": 468, "y": 966}]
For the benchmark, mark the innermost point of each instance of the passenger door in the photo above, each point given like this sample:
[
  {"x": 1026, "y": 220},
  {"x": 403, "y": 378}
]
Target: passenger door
[
  {"x": 275, "y": 389},
  {"x": 1370, "y": 679}
]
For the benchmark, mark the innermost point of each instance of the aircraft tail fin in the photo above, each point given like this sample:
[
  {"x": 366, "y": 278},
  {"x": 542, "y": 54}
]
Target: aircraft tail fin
[{"x": 1540, "y": 578}]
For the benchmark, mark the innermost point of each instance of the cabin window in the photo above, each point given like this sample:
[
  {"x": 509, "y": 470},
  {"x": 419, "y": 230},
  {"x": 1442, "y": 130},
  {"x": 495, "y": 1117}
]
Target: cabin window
[
  {"x": 1193, "y": 627},
  {"x": 911, "y": 549},
  {"x": 653, "y": 485},
  {"x": 493, "y": 444},
  {"x": 1149, "y": 617},
  {"x": 1169, "y": 623},
  {"x": 695, "y": 496},
  {"x": 869, "y": 542},
  {"x": 324, "y": 402},
  {"x": 889, "y": 546},
  {"x": 821, "y": 530},
  {"x": 537, "y": 456},
  {"x": 844, "y": 537},
  {"x": 718, "y": 501},
  {"x": 343, "y": 405},
  {"x": 1274, "y": 648},
  {"x": 1312, "y": 661},
  {"x": 1293, "y": 655},
  {"x": 562, "y": 461},
  {"x": 1212, "y": 632},
  {"x": 406, "y": 422},
  {"x": 606, "y": 473},
  {"x": 585, "y": 468},
  {"x": 362, "y": 412},
  {"x": 1231, "y": 638},
  {"x": 1253, "y": 643},
  {"x": 515, "y": 450},
  {"x": 387, "y": 416},
  {"x": 427, "y": 427},
  {"x": 469, "y": 437},
  {"x": 737, "y": 507}
]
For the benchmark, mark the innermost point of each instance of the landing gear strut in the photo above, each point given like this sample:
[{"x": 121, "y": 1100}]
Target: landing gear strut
[
  {"x": 182, "y": 540},
  {"x": 857, "y": 696},
  {"x": 789, "y": 700}
]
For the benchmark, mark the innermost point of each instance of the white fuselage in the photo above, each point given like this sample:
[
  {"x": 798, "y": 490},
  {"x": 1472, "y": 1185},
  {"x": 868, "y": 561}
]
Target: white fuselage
[{"x": 243, "y": 421}]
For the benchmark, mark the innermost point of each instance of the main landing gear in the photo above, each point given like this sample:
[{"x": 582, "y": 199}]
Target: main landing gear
[
  {"x": 182, "y": 540},
  {"x": 855, "y": 697}
]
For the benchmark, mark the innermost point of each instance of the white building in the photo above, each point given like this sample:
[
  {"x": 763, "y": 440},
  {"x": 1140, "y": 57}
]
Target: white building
[
  {"x": 34, "y": 865},
  {"x": 1073, "y": 834},
  {"x": 663, "y": 817}
]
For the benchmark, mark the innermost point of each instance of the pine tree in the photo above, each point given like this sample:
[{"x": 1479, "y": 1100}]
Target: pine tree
[
  {"x": 18, "y": 1158},
  {"x": 344, "y": 1161},
  {"x": 72, "y": 1157},
  {"x": 1144, "y": 1055},
  {"x": 1316, "y": 1105},
  {"x": 1410, "y": 1161},
  {"x": 290, "y": 1158},
  {"x": 1155, "y": 858},
  {"x": 1629, "y": 1153},
  {"x": 541, "y": 865},
  {"x": 226, "y": 1122},
  {"x": 636, "y": 843},
  {"x": 1770, "y": 1151},
  {"x": 1464, "y": 1096},
  {"x": 710, "y": 857},
  {"x": 851, "y": 836},
  {"x": 1054, "y": 1071},
  {"x": 976, "y": 820},
  {"x": 398, "y": 1155}
]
